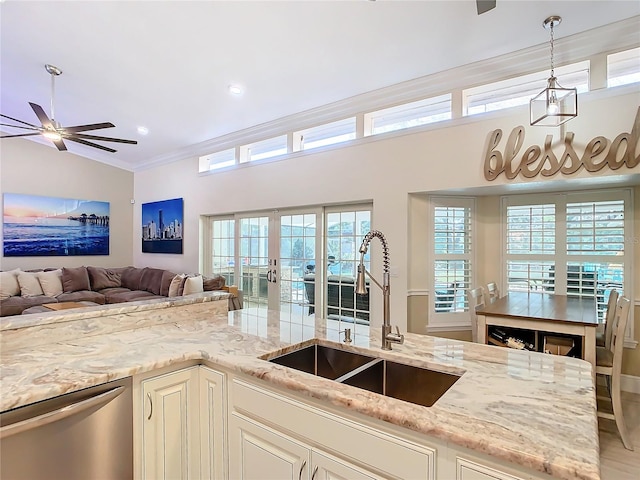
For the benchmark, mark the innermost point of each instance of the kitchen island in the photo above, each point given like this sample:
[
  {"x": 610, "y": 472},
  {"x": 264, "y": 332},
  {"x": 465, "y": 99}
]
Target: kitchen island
[{"x": 529, "y": 409}]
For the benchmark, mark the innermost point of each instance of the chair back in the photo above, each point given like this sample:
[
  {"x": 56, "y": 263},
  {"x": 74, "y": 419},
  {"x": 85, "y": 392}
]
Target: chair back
[
  {"x": 476, "y": 298},
  {"x": 492, "y": 292},
  {"x": 617, "y": 335},
  {"x": 608, "y": 319}
]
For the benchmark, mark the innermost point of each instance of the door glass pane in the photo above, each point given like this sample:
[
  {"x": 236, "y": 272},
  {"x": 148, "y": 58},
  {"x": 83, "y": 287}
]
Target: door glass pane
[
  {"x": 223, "y": 249},
  {"x": 254, "y": 255},
  {"x": 297, "y": 263},
  {"x": 345, "y": 231}
]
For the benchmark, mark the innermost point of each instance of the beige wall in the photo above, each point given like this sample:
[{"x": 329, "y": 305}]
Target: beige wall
[
  {"x": 30, "y": 168},
  {"x": 383, "y": 170}
]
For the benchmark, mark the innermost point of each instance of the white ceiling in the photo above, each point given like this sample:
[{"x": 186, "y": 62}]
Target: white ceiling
[{"x": 166, "y": 65}]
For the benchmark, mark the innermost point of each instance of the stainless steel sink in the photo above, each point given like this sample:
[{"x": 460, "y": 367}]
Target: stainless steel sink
[
  {"x": 422, "y": 386},
  {"x": 418, "y": 385},
  {"x": 326, "y": 362}
]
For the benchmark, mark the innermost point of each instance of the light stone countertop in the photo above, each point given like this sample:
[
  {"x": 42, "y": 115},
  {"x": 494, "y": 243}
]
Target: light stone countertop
[{"x": 531, "y": 409}]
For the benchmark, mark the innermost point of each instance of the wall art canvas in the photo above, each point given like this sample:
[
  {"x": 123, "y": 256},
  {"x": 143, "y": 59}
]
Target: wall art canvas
[
  {"x": 36, "y": 226},
  {"x": 162, "y": 226}
]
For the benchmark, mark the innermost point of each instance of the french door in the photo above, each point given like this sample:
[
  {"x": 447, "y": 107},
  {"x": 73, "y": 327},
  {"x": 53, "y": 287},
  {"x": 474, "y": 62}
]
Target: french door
[
  {"x": 297, "y": 261},
  {"x": 267, "y": 254}
]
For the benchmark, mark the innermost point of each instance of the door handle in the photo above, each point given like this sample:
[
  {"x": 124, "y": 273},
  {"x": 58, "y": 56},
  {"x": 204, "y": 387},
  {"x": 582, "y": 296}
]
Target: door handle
[
  {"x": 269, "y": 276},
  {"x": 315, "y": 470},
  {"x": 304, "y": 463},
  {"x": 60, "y": 413},
  {"x": 273, "y": 276},
  {"x": 150, "y": 406}
]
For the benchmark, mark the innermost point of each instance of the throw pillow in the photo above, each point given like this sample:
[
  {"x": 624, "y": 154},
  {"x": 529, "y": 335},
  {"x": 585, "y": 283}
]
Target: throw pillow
[
  {"x": 75, "y": 279},
  {"x": 9, "y": 286},
  {"x": 215, "y": 283},
  {"x": 51, "y": 282},
  {"x": 29, "y": 284},
  {"x": 193, "y": 285},
  {"x": 102, "y": 278},
  {"x": 175, "y": 285}
]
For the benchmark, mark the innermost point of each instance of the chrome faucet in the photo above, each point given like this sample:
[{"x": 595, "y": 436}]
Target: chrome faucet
[{"x": 388, "y": 337}]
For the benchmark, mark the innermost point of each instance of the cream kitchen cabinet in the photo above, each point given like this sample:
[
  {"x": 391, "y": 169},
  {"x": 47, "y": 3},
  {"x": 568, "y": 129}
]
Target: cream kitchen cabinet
[
  {"x": 259, "y": 452},
  {"x": 273, "y": 435},
  {"x": 170, "y": 433},
  {"x": 182, "y": 425}
]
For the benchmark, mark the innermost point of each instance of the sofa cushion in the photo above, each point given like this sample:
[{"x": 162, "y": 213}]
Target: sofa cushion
[
  {"x": 9, "y": 285},
  {"x": 213, "y": 283},
  {"x": 29, "y": 284},
  {"x": 151, "y": 280},
  {"x": 167, "y": 278},
  {"x": 130, "y": 278},
  {"x": 102, "y": 278},
  {"x": 193, "y": 285},
  {"x": 16, "y": 305},
  {"x": 75, "y": 279},
  {"x": 82, "y": 295},
  {"x": 130, "y": 296},
  {"x": 176, "y": 283},
  {"x": 51, "y": 282}
]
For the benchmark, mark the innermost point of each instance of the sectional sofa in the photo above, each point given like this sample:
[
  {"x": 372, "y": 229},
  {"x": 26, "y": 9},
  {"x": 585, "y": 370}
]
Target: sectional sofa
[{"x": 20, "y": 290}]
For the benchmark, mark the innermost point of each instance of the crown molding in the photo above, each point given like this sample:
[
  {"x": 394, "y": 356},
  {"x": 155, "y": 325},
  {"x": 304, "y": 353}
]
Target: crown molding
[{"x": 610, "y": 38}]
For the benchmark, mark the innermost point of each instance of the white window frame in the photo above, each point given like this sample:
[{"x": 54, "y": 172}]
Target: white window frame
[
  {"x": 623, "y": 68},
  {"x": 561, "y": 257},
  {"x": 457, "y": 320}
]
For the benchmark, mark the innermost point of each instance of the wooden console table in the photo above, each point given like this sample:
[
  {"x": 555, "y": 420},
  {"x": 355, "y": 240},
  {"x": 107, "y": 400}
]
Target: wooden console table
[{"x": 546, "y": 313}]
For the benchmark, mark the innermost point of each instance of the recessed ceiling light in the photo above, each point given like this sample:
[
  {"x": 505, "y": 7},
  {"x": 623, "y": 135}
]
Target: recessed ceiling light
[
  {"x": 235, "y": 90},
  {"x": 143, "y": 130}
]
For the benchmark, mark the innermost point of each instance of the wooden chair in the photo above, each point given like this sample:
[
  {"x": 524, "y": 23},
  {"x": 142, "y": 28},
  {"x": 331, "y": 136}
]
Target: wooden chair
[
  {"x": 476, "y": 298},
  {"x": 492, "y": 292},
  {"x": 609, "y": 364},
  {"x": 604, "y": 339}
]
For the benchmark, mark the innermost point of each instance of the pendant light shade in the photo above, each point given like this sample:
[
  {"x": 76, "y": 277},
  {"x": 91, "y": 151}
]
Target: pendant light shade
[{"x": 555, "y": 104}]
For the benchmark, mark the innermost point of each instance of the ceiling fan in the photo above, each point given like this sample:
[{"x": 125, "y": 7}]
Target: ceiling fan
[
  {"x": 484, "y": 6},
  {"x": 55, "y": 132}
]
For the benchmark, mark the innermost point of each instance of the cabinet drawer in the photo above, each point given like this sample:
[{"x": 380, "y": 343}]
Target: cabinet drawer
[
  {"x": 468, "y": 470},
  {"x": 340, "y": 436}
]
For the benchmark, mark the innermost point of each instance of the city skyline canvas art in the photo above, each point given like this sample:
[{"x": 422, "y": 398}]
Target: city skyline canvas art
[
  {"x": 162, "y": 226},
  {"x": 36, "y": 225}
]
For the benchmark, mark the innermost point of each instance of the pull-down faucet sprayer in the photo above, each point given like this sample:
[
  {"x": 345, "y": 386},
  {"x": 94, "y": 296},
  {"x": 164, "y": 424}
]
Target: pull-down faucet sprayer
[{"x": 388, "y": 337}]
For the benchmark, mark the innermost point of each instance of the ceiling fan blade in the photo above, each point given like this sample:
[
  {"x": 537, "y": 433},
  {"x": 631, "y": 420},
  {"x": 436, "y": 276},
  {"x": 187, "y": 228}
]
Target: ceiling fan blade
[
  {"x": 104, "y": 139},
  {"x": 21, "y": 135},
  {"x": 95, "y": 145},
  {"x": 16, "y": 120},
  {"x": 44, "y": 119},
  {"x": 84, "y": 128},
  {"x": 18, "y": 126},
  {"x": 484, "y": 6}
]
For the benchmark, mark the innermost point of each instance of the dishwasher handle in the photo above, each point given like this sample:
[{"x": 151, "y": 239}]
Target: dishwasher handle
[{"x": 59, "y": 414}]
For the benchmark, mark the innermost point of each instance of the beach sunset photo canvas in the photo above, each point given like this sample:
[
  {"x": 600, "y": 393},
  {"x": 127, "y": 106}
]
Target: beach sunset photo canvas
[{"x": 35, "y": 225}]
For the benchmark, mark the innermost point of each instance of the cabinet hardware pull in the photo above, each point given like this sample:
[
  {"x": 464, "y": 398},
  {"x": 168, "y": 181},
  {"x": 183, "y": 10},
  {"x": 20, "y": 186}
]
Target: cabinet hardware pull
[
  {"x": 151, "y": 405},
  {"x": 304, "y": 463},
  {"x": 315, "y": 470}
]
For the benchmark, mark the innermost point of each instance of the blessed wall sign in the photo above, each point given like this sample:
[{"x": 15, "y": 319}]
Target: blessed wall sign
[{"x": 598, "y": 154}]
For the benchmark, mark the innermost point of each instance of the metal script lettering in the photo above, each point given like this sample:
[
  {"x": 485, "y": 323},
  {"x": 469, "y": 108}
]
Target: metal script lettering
[{"x": 597, "y": 154}]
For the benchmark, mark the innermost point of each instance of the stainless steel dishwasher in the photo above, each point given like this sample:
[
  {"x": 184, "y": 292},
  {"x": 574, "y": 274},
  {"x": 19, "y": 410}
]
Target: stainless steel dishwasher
[{"x": 84, "y": 435}]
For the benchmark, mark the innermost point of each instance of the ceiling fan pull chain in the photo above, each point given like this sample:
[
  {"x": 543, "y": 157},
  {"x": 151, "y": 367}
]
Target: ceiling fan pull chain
[{"x": 53, "y": 95}]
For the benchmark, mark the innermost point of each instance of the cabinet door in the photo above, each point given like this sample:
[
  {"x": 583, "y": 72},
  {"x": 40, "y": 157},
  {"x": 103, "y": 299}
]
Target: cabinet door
[
  {"x": 328, "y": 467},
  {"x": 212, "y": 419},
  {"x": 257, "y": 452},
  {"x": 170, "y": 426}
]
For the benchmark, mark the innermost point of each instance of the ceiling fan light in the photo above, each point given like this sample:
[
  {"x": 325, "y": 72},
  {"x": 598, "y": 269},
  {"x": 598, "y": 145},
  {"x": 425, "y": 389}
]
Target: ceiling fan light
[{"x": 52, "y": 135}]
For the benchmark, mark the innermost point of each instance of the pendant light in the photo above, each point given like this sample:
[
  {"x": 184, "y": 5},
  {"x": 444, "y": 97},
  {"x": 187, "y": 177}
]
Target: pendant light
[{"x": 554, "y": 105}]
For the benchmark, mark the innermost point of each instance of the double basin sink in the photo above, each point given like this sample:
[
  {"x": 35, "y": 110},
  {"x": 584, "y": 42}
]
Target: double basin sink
[{"x": 418, "y": 385}]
